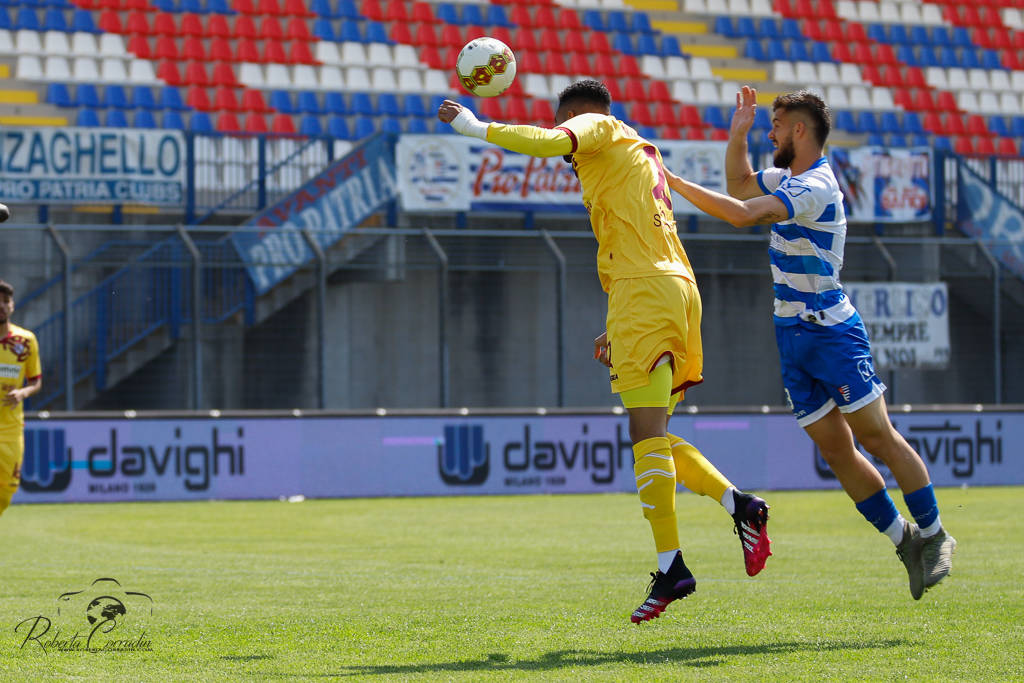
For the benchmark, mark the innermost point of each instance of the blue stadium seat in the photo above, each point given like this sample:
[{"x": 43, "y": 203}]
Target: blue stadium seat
[
  {"x": 364, "y": 125},
  {"x": 798, "y": 51},
  {"x": 116, "y": 119},
  {"x": 898, "y": 34},
  {"x": 388, "y": 105},
  {"x": 375, "y": 32},
  {"x": 416, "y": 126},
  {"x": 309, "y": 103},
  {"x": 960, "y": 37},
  {"x": 170, "y": 98},
  {"x": 322, "y": 8},
  {"x": 920, "y": 141},
  {"x": 761, "y": 119},
  {"x": 413, "y": 105},
  {"x": 997, "y": 124},
  {"x": 623, "y": 43},
  {"x": 990, "y": 59},
  {"x": 191, "y": 6},
  {"x": 448, "y": 13},
  {"x": 776, "y": 51},
  {"x": 324, "y": 29},
  {"x": 219, "y": 7},
  {"x": 942, "y": 144},
  {"x": 115, "y": 96},
  {"x": 347, "y": 10},
  {"x": 81, "y": 20},
  {"x": 646, "y": 45},
  {"x": 647, "y": 132},
  {"x": 337, "y": 127},
  {"x": 948, "y": 58},
  {"x": 876, "y": 139},
  {"x": 86, "y": 95},
  {"x": 166, "y": 5},
  {"x": 768, "y": 28},
  {"x": 5, "y": 19},
  {"x": 142, "y": 98},
  {"x": 617, "y": 21},
  {"x": 173, "y": 120},
  {"x": 670, "y": 47},
  {"x": 592, "y": 19},
  {"x": 969, "y": 58},
  {"x": 897, "y": 140},
  {"x": 844, "y": 120},
  {"x": 876, "y": 32},
  {"x": 58, "y": 95},
  {"x": 725, "y": 27},
  {"x": 388, "y": 124},
  {"x": 919, "y": 35},
  {"x": 745, "y": 27},
  {"x": 867, "y": 122},
  {"x": 334, "y": 103},
  {"x": 791, "y": 30},
  {"x": 714, "y": 116},
  {"x": 753, "y": 50},
  {"x": 200, "y": 122},
  {"x": 53, "y": 20},
  {"x": 889, "y": 122},
  {"x": 87, "y": 117},
  {"x": 436, "y": 100},
  {"x": 619, "y": 111},
  {"x": 642, "y": 23},
  {"x": 820, "y": 53},
  {"x": 905, "y": 54},
  {"x": 27, "y": 19},
  {"x": 912, "y": 123},
  {"x": 941, "y": 37},
  {"x": 310, "y": 126},
  {"x": 1017, "y": 126},
  {"x": 440, "y": 128},
  {"x": 281, "y": 100},
  {"x": 361, "y": 103},
  {"x": 496, "y": 17},
  {"x": 350, "y": 32},
  {"x": 144, "y": 119}
]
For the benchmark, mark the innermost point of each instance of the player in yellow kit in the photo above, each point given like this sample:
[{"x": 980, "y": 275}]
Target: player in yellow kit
[
  {"x": 20, "y": 377},
  {"x": 652, "y": 342}
]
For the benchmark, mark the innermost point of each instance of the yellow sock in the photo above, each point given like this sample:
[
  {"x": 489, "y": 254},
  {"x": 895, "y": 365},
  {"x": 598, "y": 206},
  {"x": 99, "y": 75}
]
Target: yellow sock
[
  {"x": 694, "y": 471},
  {"x": 656, "y": 483}
]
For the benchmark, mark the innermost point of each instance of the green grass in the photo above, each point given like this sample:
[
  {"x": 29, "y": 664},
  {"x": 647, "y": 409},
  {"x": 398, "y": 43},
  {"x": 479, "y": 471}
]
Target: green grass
[{"x": 536, "y": 587}]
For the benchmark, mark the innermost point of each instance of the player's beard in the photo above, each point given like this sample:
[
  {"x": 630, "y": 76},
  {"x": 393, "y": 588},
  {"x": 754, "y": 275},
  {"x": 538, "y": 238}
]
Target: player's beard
[{"x": 784, "y": 154}]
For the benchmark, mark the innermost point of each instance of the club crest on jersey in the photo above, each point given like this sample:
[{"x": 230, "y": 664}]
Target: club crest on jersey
[
  {"x": 866, "y": 369},
  {"x": 16, "y": 345},
  {"x": 795, "y": 188}
]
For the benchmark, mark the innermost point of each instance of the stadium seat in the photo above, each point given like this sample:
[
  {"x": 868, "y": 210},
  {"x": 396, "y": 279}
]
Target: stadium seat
[
  {"x": 281, "y": 100},
  {"x": 337, "y": 127},
  {"x": 1006, "y": 147},
  {"x": 114, "y": 96},
  {"x": 87, "y": 118},
  {"x": 58, "y": 95},
  {"x": 116, "y": 119},
  {"x": 310, "y": 126},
  {"x": 172, "y": 120}
]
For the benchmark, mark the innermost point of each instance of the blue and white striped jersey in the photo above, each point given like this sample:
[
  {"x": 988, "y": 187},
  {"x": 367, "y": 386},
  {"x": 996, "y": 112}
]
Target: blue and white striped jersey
[{"x": 806, "y": 251}]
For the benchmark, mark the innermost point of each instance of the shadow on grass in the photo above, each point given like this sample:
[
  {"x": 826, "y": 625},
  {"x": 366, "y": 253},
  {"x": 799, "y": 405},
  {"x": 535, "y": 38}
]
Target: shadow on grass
[
  {"x": 246, "y": 658},
  {"x": 689, "y": 656}
]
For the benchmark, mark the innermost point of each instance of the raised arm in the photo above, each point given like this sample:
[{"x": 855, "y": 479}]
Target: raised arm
[
  {"x": 741, "y": 181},
  {"x": 739, "y": 213},
  {"x": 532, "y": 140}
]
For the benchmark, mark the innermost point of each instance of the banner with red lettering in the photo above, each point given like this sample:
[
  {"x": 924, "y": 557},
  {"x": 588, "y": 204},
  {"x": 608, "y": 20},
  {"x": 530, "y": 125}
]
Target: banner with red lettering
[
  {"x": 455, "y": 173},
  {"x": 883, "y": 185}
]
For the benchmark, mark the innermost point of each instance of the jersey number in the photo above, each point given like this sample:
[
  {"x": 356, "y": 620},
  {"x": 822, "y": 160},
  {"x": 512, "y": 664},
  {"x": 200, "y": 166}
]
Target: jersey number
[{"x": 660, "y": 191}]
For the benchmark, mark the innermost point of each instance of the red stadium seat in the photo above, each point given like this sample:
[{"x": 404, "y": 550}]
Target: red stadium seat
[
  {"x": 923, "y": 100},
  {"x": 659, "y": 92},
  {"x": 804, "y": 8},
  {"x": 629, "y": 67},
  {"x": 853, "y": 32},
  {"x": 872, "y": 74},
  {"x": 614, "y": 89},
  {"x": 526, "y": 39},
  {"x": 193, "y": 49},
  {"x": 574, "y": 41},
  {"x": 981, "y": 37},
  {"x": 604, "y": 65},
  {"x": 977, "y": 126},
  {"x": 431, "y": 56},
  {"x": 195, "y": 74},
  {"x": 245, "y": 6},
  {"x": 427, "y": 35},
  {"x": 695, "y": 133},
  {"x": 247, "y": 51},
  {"x": 110, "y": 21},
  {"x": 1001, "y": 38},
  {"x": 452, "y": 36},
  {"x": 400, "y": 33},
  {"x": 167, "y": 72},
  {"x": 954, "y": 125},
  {"x": 719, "y": 134},
  {"x": 225, "y": 100},
  {"x": 597, "y": 41},
  {"x": 665, "y": 115},
  {"x": 295, "y": 8},
  {"x": 544, "y": 17},
  {"x": 541, "y": 111},
  {"x": 841, "y": 52},
  {"x": 282, "y": 124},
  {"x": 269, "y": 7},
  {"x": 493, "y": 108},
  {"x": 217, "y": 26},
  {"x": 298, "y": 29},
  {"x": 579, "y": 64},
  {"x": 423, "y": 11},
  {"x": 517, "y": 112},
  {"x": 299, "y": 53},
  {"x": 884, "y": 54},
  {"x": 902, "y": 99},
  {"x": 371, "y": 9},
  {"x": 1006, "y": 147},
  {"x": 641, "y": 113},
  {"x": 472, "y": 31},
  {"x": 252, "y": 100},
  {"x": 166, "y": 48},
  {"x": 971, "y": 17},
  {"x": 273, "y": 52},
  {"x": 255, "y": 123},
  {"x": 932, "y": 123},
  {"x": 520, "y": 16},
  {"x": 1017, "y": 40},
  {"x": 554, "y": 63},
  {"x": 984, "y": 146},
  {"x": 689, "y": 115},
  {"x": 244, "y": 27},
  {"x": 913, "y": 77},
  {"x": 1009, "y": 60},
  {"x": 501, "y": 33},
  {"x": 550, "y": 37},
  {"x": 670, "y": 133},
  {"x": 990, "y": 17},
  {"x": 783, "y": 7},
  {"x": 569, "y": 19},
  {"x": 191, "y": 25},
  {"x": 812, "y": 30},
  {"x": 227, "y": 122},
  {"x": 197, "y": 98},
  {"x": 945, "y": 101},
  {"x": 223, "y": 75},
  {"x": 138, "y": 23},
  {"x": 139, "y": 46},
  {"x": 528, "y": 62},
  {"x": 862, "y": 53},
  {"x": 395, "y": 11},
  {"x": 270, "y": 29},
  {"x": 220, "y": 50},
  {"x": 163, "y": 24},
  {"x": 963, "y": 145}
]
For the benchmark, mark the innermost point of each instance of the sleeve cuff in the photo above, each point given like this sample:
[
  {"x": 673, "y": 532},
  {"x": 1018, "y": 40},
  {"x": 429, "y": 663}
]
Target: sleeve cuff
[
  {"x": 785, "y": 200},
  {"x": 572, "y": 138},
  {"x": 760, "y": 183}
]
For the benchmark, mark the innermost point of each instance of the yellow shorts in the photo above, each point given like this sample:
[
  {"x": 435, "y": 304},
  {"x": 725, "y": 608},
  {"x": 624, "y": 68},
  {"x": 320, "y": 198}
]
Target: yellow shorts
[
  {"x": 11, "y": 453},
  {"x": 649, "y": 317}
]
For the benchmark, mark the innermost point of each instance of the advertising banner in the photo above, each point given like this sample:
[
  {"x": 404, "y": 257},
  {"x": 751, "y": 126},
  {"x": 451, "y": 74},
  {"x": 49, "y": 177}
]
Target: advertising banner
[
  {"x": 985, "y": 214},
  {"x": 883, "y": 185},
  {"x": 333, "y": 203},
  {"x": 456, "y": 173},
  {"x": 908, "y": 323},
  {"x": 333, "y": 457},
  {"x": 92, "y": 165}
]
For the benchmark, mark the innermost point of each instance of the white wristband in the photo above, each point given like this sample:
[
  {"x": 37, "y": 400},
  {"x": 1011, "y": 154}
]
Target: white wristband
[{"x": 467, "y": 123}]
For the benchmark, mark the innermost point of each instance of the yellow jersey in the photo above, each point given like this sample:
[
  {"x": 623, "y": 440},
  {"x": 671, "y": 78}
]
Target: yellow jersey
[
  {"x": 627, "y": 196},
  {"x": 19, "y": 361}
]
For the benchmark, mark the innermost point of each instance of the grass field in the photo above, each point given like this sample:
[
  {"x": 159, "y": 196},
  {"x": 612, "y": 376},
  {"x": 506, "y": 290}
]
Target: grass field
[{"x": 536, "y": 587}]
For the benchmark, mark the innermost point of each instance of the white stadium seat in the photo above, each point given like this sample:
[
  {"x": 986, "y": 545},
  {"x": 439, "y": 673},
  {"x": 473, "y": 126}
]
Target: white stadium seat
[
  {"x": 379, "y": 54},
  {"x": 28, "y": 42},
  {"x": 935, "y": 76},
  {"x": 888, "y": 12},
  {"x": 956, "y": 79},
  {"x": 978, "y": 79},
  {"x": 849, "y": 74},
  {"x": 331, "y": 78},
  {"x": 967, "y": 100},
  {"x": 278, "y": 77},
  {"x": 141, "y": 71},
  {"x": 676, "y": 67},
  {"x": 847, "y": 9},
  {"x": 304, "y": 77},
  {"x": 435, "y": 81},
  {"x": 707, "y": 92},
  {"x": 700, "y": 70},
  {"x": 859, "y": 97},
  {"x": 828, "y": 72},
  {"x": 410, "y": 80},
  {"x": 382, "y": 78},
  {"x": 84, "y": 44},
  {"x": 56, "y": 43},
  {"x": 783, "y": 72},
  {"x": 535, "y": 85},
  {"x": 57, "y": 69},
  {"x": 881, "y": 99},
  {"x": 653, "y": 66},
  {"x": 1009, "y": 103},
  {"x": 761, "y": 8},
  {"x": 251, "y": 74},
  {"x": 682, "y": 91},
  {"x": 806, "y": 72},
  {"x": 29, "y": 68},
  {"x": 326, "y": 52},
  {"x": 835, "y": 96},
  {"x": 868, "y": 11},
  {"x": 932, "y": 15},
  {"x": 85, "y": 70},
  {"x": 357, "y": 78},
  {"x": 112, "y": 45},
  {"x": 405, "y": 57},
  {"x": 7, "y": 43},
  {"x": 988, "y": 103},
  {"x": 112, "y": 70},
  {"x": 999, "y": 80}
]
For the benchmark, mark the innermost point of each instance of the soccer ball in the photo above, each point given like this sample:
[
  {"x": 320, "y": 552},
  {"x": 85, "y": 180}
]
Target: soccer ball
[{"x": 486, "y": 67}]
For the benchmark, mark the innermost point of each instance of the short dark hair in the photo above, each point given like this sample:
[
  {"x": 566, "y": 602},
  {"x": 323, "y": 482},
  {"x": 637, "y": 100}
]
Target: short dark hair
[
  {"x": 587, "y": 91},
  {"x": 6, "y": 288},
  {"x": 813, "y": 106}
]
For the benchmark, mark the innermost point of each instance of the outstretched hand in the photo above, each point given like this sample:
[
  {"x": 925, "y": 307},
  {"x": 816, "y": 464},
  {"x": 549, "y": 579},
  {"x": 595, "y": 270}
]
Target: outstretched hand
[
  {"x": 746, "y": 107},
  {"x": 448, "y": 111}
]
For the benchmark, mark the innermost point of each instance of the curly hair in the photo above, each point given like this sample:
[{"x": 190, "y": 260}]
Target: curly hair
[
  {"x": 6, "y": 288},
  {"x": 587, "y": 91},
  {"x": 812, "y": 106}
]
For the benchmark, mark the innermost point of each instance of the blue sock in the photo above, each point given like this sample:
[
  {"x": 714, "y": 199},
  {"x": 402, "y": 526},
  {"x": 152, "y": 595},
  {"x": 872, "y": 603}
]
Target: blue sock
[
  {"x": 923, "y": 507},
  {"x": 879, "y": 510}
]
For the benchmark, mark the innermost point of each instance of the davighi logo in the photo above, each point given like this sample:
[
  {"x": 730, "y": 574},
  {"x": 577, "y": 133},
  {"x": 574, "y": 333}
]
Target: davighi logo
[
  {"x": 103, "y": 617},
  {"x": 464, "y": 457},
  {"x": 47, "y": 462}
]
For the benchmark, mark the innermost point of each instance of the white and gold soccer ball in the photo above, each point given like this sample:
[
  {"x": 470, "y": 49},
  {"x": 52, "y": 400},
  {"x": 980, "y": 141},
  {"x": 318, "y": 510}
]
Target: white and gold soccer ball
[{"x": 486, "y": 67}]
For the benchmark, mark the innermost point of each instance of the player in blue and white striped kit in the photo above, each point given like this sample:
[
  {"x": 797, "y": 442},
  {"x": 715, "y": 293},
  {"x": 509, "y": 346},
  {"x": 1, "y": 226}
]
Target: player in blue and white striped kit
[{"x": 826, "y": 360}]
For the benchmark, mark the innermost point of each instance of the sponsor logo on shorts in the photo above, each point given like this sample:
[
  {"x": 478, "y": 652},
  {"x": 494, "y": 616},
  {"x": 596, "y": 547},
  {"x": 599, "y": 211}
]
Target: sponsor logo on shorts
[{"x": 845, "y": 391}]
